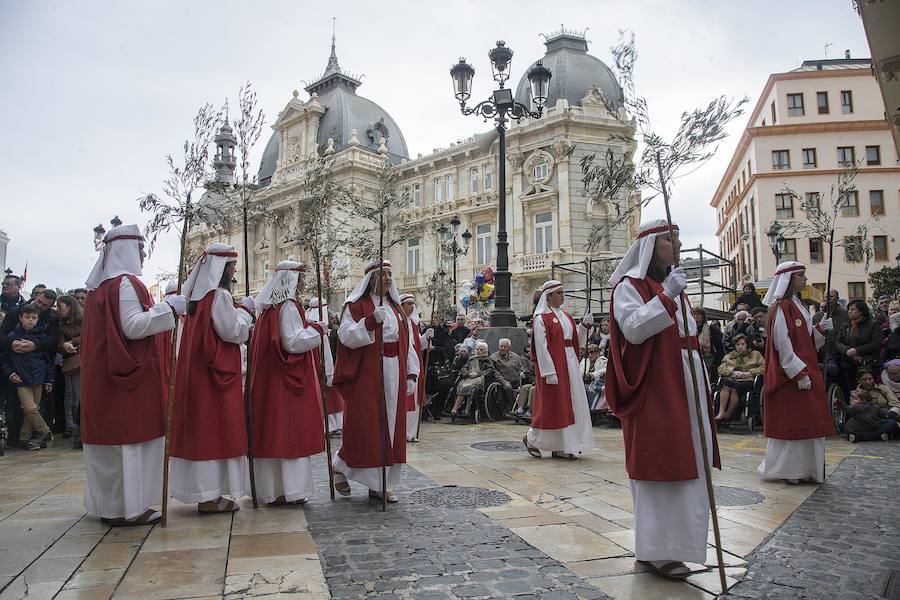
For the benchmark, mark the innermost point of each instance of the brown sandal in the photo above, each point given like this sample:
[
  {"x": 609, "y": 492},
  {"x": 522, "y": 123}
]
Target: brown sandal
[
  {"x": 221, "y": 505},
  {"x": 672, "y": 569},
  {"x": 531, "y": 449},
  {"x": 565, "y": 455},
  {"x": 391, "y": 496},
  {"x": 342, "y": 488},
  {"x": 149, "y": 517}
]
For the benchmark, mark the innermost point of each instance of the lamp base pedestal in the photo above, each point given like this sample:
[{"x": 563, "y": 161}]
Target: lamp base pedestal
[{"x": 517, "y": 336}]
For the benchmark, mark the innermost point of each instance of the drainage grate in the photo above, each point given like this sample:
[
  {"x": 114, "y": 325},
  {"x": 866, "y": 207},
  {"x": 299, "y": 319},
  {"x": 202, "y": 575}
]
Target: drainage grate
[
  {"x": 500, "y": 446},
  {"x": 892, "y": 589},
  {"x": 451, "y": 496},
  {"x": 735, "y": 496}
]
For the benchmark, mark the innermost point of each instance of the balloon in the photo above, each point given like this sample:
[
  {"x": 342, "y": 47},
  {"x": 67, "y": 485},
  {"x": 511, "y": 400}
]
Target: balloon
[
  {"x": 466, "y": 287},
  {"x": 488, "y": 275},
  {"x": 487, "y": 290},
  {"x": 464, "y": 300},
  {"x": 479, "y": 280}
]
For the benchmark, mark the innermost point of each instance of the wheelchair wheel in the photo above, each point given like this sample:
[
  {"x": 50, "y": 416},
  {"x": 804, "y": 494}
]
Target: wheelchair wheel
[
  {"x": 835, "y": 393},
  {"x": 495, "y": 402}
]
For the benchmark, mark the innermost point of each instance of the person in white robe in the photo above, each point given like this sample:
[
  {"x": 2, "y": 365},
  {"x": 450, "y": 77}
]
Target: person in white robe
[
  {"x": 335, "y": 419},
  {"x": 408, "y": 303}
]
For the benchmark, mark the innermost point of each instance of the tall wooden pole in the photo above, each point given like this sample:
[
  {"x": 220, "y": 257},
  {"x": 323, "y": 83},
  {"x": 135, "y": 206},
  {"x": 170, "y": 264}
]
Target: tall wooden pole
[
  {"x": 248, "y": 397},
  {"x": 379, "y": 334},
  {"x": 424, "y": 376},
  {"x": 170, "y": 397},
  {"x": 587, "y": 291},
  {"x": 323, "y": 380},
  {"x": 701, "y": 427}
]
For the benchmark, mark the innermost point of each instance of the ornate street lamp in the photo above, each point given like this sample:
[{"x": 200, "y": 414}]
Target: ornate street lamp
[
  {"x": 451, "y": 245},
  {"x": 115, "y": 221},
  {"x": 776, "y": 240},
  {"x": 99, "y": 232},
  {"x": 502, "y": 108}
]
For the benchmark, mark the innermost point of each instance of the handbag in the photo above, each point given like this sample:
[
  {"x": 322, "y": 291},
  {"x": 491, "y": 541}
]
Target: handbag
[{"x": 71, "y": 363}]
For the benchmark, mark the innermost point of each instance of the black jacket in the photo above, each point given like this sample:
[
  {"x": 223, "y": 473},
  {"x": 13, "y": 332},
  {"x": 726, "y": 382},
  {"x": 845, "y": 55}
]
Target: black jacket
[
  {"x": 460, "y": 334},
  {"x": 6, "y": 304},
  {"x": 866, "y": 339},
  {"x": 47, "y": 329},
  {"x": 752, "y": 300}
]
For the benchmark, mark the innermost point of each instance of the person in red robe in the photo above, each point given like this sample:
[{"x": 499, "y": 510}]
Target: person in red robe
[
  {"x": 375, "y": 386},
  {"x": 796, "y": 419},
  {"x": 209, "y": 422},
  {"x": 649, "y": 387},
  {"x": 561, "y": 421},
  {"x": 286, "y": 397},
  {"x": 318, "y": 313},
  {"x": 123, "y": 384},
  {"x": 416, "y": 400}
]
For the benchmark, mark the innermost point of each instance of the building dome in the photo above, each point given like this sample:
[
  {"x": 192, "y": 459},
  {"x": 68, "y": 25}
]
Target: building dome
[
  {"x": 344, "y": 112},
  {"x": 574, "y": 72}
]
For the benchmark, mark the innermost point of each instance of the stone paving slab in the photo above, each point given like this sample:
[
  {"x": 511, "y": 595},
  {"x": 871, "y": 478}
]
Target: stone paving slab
[
  {"x": 842, "y": 542},
  {"x": 420, "y": 552}
]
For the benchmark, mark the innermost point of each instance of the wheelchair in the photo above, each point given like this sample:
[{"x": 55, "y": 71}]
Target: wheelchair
[
  {"x": 834, "y": 394},
  {"x": 750, "y": 407},
  {"x": 491, "y": 403}
]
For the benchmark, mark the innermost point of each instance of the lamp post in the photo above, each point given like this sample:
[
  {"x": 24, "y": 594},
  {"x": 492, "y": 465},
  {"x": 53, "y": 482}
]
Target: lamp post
[
  {"x": 502, "y": 108},
  {"x": 897, "y": 258},
  {"x": 450, "y": 245},
  {"x": 99, "y": 232},
  {"x": 776, "y": 240}
]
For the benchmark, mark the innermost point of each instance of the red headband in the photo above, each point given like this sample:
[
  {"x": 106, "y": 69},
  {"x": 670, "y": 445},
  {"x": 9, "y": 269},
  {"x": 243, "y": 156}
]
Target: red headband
[
  {"x": 662, "y": 229},
  {"x": 552, "y": 287},
  {"x": 789, "y": 269},
  {"x": 384, "y": 265},
  {"x": 124, "y": 237},
  {"x": 300, "y": 269}
]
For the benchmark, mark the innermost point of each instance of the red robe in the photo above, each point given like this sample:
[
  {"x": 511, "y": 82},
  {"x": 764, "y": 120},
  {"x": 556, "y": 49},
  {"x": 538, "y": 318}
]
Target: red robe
[
  {"x": 209, "y": 417},
  {"x": 792, "y": 413},
  {"x": 287, "y": 407},
  {"x": 122, "y": 385},
  {"x": 356, "y": 377},
  {"x": 651, "y": 398},
  {"x": 553, "y": 403},
  {"x": 417, "y": 344}
]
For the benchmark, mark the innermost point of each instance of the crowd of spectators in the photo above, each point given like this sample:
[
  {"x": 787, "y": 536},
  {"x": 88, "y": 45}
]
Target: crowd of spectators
[{"x": 39, "y": 341}]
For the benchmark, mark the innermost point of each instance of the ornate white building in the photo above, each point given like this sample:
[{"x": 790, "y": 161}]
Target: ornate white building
[{"x": 549, "y": 217}]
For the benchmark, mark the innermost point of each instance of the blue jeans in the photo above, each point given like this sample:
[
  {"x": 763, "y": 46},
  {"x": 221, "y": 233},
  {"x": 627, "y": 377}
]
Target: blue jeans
[{"x": 890, "y": 426}]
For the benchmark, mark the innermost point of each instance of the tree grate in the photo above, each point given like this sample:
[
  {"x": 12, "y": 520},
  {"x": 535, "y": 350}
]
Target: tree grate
[
  {"x": 451, "y": 496},
  {"x": 735, "y": 496},
  {"x": 499, "y": 446}
]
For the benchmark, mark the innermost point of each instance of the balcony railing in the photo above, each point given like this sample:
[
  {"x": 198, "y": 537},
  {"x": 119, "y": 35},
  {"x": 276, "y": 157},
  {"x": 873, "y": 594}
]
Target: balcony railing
[
  {"x": 536, "y": 263},
  {"x": 408, "y": 282}
]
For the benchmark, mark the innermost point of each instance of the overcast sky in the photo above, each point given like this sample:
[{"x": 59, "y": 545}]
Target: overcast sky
[{"x": 95, "y": 94}]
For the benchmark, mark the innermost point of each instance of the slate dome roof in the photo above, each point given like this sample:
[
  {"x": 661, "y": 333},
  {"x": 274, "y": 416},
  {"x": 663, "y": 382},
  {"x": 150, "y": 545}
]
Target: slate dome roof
[
  {"x": 344, "y": 112},
  {"x": 574, "y": 71}
]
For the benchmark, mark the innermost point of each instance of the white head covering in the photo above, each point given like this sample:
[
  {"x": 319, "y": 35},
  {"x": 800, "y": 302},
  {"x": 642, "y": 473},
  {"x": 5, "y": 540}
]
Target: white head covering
[
  {"x": 312, "y": 313},
  {"x": 414, "y": 316},
  {"x": 781, "y": 280},
  {"x": 636, "y": 261},
  {"x": 542, "y": 306},
  {"x": 120, "y": 255},
  {"x": 282, "y": 285},
  {"x": 207, "y": 271},
  {"x": 362, "y": 288},
  {"x": 171, "y": 288}
]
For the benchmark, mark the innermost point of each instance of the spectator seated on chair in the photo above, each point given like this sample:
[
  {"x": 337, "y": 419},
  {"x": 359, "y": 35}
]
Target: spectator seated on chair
[
  {"x": 472, "y": 378},
  {"x": 738, "y": 370},
  {"x": 593, "y": 369}
]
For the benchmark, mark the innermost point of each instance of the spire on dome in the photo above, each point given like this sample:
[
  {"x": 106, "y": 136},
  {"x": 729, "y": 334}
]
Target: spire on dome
[
  {"x": 333, "y": 66},
  {"x": 333, "y": 75}
]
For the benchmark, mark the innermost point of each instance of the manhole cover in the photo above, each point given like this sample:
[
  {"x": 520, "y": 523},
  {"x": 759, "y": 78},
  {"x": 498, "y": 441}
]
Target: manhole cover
[
  {"x": 735, "y": 496},
  {"x": 451, "y": 496},
  {"x": 499, "y": 446}
]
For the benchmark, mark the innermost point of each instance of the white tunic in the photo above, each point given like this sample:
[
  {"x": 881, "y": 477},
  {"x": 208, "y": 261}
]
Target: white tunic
[
  {"x": 122, "y": 481},
  {"x": 290, "y": 477},
  {"x": 578, "y": 437},
  {"x": 203, "y": 480},
  {"x": 793, "y": 459},
  {"x": 412, "y": 416},
  {"x": 671, "y": 518},
  {"x": 354, "y": 334},
  {"x": 335, "y": 420}
]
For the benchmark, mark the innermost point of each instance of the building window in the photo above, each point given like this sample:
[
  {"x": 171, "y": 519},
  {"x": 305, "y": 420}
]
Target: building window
[
  {"x": 876, "y": 200},
  {"x": 412, "y": 256},
  {"x": 880, "y": 247},
  {"x": 483, "y": 244},
  {"x": 473, "y": 177},
  {"x": 846, "y": 101},
  {"x": 850, "y": 206},
  {"x": 873, "y": 155},
  {"x": 809, "y": 158},
  {"x": 543, "y": 232},
  {"x": 488, "y": 177},
  {"x": 856, "y": 290},
  {"x": 451, "y": 186},
  {"x": 790, "y": 249},
  {"x": 438, "y": 190},
  {"x": 846, "y": 156},
  {"x": 784, "y": 206},
  {"x": 853, "y": 249},
  {"x": 774, "y": 120},
  {"x": 417, "y": 196},
  {"x": 795, "y": 105},
  {"x": 822, "y": 102},
  {"x": 540, "y": 171},
  {"x": 811, "y": 202},
  {"x": 781, "y": 160},
  {"x": 816, "y": 253}
]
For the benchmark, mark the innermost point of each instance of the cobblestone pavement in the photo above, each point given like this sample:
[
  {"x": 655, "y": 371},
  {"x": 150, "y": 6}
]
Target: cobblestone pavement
[
  {"x": 842, "y": 542},
  {"x": 419, "y": 552}
]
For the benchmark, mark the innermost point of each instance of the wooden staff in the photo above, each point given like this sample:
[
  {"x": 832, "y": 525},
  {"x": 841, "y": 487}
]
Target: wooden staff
[
  {"x": 248, "y": 398},
  {"x": 424, "y": 376},
  {"x": 323, "y": 381},
  {"x": 587, "y": 291},
  {"x": 696, "y": 388},
  {"x": 170, "y": 398},
  {"x": 379, "y": 335}
]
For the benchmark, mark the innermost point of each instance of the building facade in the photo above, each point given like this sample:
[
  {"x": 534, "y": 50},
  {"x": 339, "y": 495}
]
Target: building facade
[
  {"x": 549, "y": 217},
  {"x": 807, "y": 126}
]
